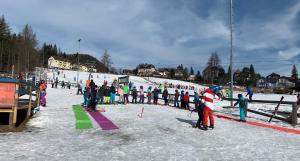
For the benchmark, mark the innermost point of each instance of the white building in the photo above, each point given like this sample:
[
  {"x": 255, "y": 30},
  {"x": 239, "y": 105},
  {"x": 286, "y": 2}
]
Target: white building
[{"x": 58, "y": 62}]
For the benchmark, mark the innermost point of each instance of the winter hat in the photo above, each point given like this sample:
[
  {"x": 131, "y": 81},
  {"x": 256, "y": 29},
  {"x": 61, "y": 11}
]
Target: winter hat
[{"x": 240, "y": 95}]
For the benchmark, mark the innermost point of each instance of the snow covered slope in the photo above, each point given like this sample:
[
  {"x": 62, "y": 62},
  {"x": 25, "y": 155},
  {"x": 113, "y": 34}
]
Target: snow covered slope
[{"x": 164, "y": 133}]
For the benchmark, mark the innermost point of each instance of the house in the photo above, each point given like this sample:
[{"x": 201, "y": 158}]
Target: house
[
  {"x": 59, "y": 62},
  {"x": 178, "y": 73},
  {"x": 261, "y": 83},
  {"x": 127, "y": 72},
  {"x": 164, "y": 72},
  {"x": 192, "y": 78},
  {"x": 285, "y": 82},
  {"x": 145, "y": 70},
  {"x": 271, "y": 80}
]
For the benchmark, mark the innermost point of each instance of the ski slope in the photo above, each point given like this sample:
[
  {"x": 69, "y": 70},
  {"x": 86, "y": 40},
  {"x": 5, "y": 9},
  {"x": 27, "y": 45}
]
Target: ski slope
[{"x": 164, "y": 133}]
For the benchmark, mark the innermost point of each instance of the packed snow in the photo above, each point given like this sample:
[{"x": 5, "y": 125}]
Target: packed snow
[{"x": 163, "y": 133}]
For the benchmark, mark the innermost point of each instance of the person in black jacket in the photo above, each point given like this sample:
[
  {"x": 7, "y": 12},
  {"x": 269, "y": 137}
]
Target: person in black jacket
[
  {"x": 134, "y": 94},
  {"x": 101, "y": 94},
  {"x": 93, "y": 100},
  {"x": 165, "y": 95}
]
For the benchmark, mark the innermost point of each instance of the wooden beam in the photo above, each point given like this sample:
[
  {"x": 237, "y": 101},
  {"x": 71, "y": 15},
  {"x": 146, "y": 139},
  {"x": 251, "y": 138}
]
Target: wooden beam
[
  {"x": 263, "y": 101},
  {"x": 6, "y": 110},
  {"x": 276, "y": 109},
  {"x": 268, "y": 115}
]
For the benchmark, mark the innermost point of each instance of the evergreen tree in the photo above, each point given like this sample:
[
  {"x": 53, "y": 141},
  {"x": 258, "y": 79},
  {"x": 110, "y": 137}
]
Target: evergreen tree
[
  {"x": 185, "y": 73},
  {"x": 4, "y": 36},
  {"x": 253, "y": 76},
  {"x": 172, "y": 73},
  {"x": 106, "y": 60},
  {"x": 191, "y": 71},
  {"x": 294, "y": 73}
]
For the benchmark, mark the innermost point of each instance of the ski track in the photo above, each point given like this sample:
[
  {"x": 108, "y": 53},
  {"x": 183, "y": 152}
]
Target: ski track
[{"x": 164, "y": 133}]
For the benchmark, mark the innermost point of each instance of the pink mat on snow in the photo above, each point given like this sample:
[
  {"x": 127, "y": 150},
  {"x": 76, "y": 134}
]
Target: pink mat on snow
[{"x": 102, "y": 121}]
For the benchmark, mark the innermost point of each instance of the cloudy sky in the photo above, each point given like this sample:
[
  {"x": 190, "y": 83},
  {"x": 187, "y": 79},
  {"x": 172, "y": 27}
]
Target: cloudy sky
[{"x": 167, "y": 32}]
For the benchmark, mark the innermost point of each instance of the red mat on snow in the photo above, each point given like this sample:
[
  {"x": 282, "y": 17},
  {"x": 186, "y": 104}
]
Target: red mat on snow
[
  {"x": 102, "y": 121},
  {"x": 284, "y": 129}
]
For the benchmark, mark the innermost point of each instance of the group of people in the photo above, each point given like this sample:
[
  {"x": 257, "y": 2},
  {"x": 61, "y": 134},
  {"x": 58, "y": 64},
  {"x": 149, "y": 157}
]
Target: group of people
[{"x": 204, "y": 101}]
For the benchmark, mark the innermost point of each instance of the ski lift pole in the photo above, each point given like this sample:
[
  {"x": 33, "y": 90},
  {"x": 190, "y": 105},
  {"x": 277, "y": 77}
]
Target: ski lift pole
[{"x": 231, "y": 53}]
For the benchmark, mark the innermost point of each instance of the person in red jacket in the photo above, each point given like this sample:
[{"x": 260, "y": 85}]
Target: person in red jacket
[
  {"x": 208, "y": 101},
  {"x": 186, "y": 99}
]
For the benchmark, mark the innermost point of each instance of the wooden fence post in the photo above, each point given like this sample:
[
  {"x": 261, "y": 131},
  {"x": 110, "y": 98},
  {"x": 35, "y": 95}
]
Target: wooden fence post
[
  {"x": 30, "y": 102},
  {"x": 15, "y": 108},
  {"x": 294, "y": 117}
]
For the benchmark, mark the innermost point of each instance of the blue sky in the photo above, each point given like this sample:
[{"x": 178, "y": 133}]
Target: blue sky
[{"x": 167, "y": 32}]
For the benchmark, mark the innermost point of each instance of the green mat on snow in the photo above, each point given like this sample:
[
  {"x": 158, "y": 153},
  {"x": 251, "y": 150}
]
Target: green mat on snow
[{"x": 82, "y": 119}]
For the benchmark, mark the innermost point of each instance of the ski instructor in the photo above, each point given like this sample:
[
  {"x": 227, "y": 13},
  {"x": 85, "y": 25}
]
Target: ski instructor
[{"x": 208, "y": 101}]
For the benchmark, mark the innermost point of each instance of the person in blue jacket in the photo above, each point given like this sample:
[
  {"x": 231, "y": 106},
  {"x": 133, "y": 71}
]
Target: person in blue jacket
[
  {"x": 249, "y": 92},
  {"x": 242, "y": 105}
]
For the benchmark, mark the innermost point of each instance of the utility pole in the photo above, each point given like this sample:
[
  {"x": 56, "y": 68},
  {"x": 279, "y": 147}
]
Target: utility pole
[
  {"x": 231, "y": 53},
  {"x": 78, "y": 61}
]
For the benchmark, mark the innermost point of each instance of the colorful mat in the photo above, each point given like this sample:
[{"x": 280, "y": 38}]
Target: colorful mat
[
  {"x": 102, "y": 121},
  {"x": 82, "y": 119}
]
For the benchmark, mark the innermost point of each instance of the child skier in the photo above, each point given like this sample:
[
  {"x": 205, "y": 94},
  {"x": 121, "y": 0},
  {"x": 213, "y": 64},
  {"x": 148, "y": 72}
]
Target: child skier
[
  {"x": 86, "y": 96},
  {"x": 165, "y": 95},
  {"x": 249, "y": 92},
  {"x": 242, "y": 105},
  {"x": 155, "y": 95},
  {"x": 126, "y": 93},
  {"x": 112, "y": 94},
  {"x": 43, "y": 98},
  {"x": 121, "y": 95},
  {"x": 134, "y": 94},
  {"x": 182, "y": 105},
  {"x": 141, "y": 95},
  {"x": 176, "y": 101},
  {"x": 149, "y": 95},
  {"x": 186, "y": 100},
  {"x": 106, "y": 95}
]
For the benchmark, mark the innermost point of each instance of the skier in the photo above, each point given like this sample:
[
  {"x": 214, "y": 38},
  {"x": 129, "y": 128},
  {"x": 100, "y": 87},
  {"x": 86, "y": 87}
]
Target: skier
[
  {"x": 56, "y": 82},
  {"x": 86, "y": 96},
  {"x": 182, "y": 105},
  {"x": 43, "y": 97},
  {"x": 63, "y": 84},
  {"x": 155, "y": 95},
  {"x": 176, "y": 101},
  {"x": 106, "y": 95},
  {"x": 93, "y": 101},
  {"x": 112, "y": 94},
  {"x": 134, "y": 94},
  {"x": 79, "y": 89},
  {"x": 199, "y": 109},
  {"x": 101, "y": 94},
  {"x": 242, "y": 105},
  {"x": 165, "y": 95},
  {"x": 121, "y": 94},
  {"x": 207, "y": 100},
  {"x": 249, "y": 92},
  {"x": 149, "y": 95},
  {"x": 186, "y": 100},
  {"x": 142, "y": 97},
  {"x": 126, "y": 92}
]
